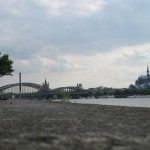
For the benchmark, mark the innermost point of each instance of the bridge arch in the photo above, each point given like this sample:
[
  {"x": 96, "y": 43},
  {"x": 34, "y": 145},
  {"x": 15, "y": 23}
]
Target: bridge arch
[
  {"x": 26, "y": 88},
  {"x": 69, "y": 89}
]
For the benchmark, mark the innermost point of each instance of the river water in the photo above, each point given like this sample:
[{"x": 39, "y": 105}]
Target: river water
[{"x": 131, "y": 102}]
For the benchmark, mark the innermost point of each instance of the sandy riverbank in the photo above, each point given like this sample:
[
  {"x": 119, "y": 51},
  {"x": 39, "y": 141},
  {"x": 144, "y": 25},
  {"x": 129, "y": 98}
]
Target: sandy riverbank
[{"x": 43, "y": 125}]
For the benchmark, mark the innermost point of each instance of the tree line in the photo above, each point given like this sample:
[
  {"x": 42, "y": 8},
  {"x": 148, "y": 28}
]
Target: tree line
[{"x": 121, "y": 92}]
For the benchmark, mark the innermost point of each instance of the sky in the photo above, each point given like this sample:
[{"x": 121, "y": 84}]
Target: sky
[{"x": 92, "y": 42}]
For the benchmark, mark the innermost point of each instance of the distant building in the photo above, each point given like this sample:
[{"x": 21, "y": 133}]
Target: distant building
[
  {"x": 143, "y": 78},
  {"x": 143, "y": 81},
  {"x": 45, "y": 87},
  {"x": 79, "y": 86}
]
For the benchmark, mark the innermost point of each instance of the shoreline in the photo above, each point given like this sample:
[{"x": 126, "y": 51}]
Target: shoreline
[{"x": 40, "y": 124}]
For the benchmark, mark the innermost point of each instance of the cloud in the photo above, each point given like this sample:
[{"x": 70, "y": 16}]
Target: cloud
[
  {"x": 78, "y": 7},
  {"x": 134, "y": 55},
  {"x": 13, "y": 8},
  {"x": 109, "y": 25},
  {"x": 82, "y": 40},
  {"x": 88, "y": 7},
  {"x": 53, "y": 7}
]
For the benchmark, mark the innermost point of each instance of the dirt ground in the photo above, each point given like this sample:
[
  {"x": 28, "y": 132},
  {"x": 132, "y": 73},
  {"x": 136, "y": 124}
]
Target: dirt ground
[{"x": 44, "y": 125}]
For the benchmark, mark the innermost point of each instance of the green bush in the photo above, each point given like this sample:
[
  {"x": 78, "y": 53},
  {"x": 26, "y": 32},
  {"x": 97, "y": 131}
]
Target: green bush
[
  {"x": 49, "y": 99},
  {"x": 65, "y": 97}
]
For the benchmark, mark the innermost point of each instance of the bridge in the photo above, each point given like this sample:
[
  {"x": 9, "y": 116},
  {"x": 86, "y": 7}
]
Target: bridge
[
  {"x": 74, "y": 91},
  {"x": 37, "y": 91},
  {"x": 26, "y": 88}
]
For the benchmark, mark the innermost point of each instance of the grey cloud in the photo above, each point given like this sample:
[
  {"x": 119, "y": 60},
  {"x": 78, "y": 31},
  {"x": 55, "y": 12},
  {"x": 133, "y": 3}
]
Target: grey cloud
[
  {"x": 135, "y": 60},
  {"x": 120, "y": 23},
  {"x": 128, "y": 21}
]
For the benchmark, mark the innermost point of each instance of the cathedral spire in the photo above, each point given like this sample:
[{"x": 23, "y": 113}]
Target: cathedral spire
[{"x": 147, "y": 71}]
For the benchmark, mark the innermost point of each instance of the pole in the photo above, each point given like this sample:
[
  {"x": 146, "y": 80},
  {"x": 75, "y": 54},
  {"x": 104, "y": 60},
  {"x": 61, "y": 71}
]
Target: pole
[{"x": 20, "y": 84}]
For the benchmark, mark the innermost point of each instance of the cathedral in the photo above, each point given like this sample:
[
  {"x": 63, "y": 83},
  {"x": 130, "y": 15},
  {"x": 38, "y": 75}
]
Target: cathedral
[
  {"x": 143, "y": 78},
  {"x": 143, "y": 81}
]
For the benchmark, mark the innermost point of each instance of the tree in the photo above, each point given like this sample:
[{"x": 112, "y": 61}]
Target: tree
[{"x": 6, "y": 67}]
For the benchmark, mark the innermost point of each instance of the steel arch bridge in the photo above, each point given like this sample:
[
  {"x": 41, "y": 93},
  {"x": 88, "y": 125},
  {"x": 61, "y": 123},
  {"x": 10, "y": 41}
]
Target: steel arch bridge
[
  {"x": 69, "y": 89},
  {"x": 73, "y": 91},
  {"x": 33, "y": 90},
  {"x": 25, "y": 88}
]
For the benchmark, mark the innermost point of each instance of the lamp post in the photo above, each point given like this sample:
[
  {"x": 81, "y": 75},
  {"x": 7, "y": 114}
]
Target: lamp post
[{"x": 20, "y": 84}]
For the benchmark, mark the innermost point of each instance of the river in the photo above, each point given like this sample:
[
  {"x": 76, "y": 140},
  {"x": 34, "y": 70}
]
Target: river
[{"x": 131, "y": 102}]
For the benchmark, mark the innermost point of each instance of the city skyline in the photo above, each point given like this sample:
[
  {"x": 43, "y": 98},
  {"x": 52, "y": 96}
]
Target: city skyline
[{"x": 93, "y": 42}]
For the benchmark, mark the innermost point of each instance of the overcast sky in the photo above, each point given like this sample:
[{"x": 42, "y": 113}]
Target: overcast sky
[{"x": 93, "y": 42}]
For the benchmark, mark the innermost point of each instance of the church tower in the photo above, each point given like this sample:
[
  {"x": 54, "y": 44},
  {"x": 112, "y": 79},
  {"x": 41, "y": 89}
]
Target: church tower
[
  {"x": 45, "y": 87},
  {"x": 147, "y": 71}
]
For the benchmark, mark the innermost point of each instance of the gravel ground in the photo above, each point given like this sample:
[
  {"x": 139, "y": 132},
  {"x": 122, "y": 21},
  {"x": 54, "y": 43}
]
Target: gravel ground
[{"x": 44, "y": 125}]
